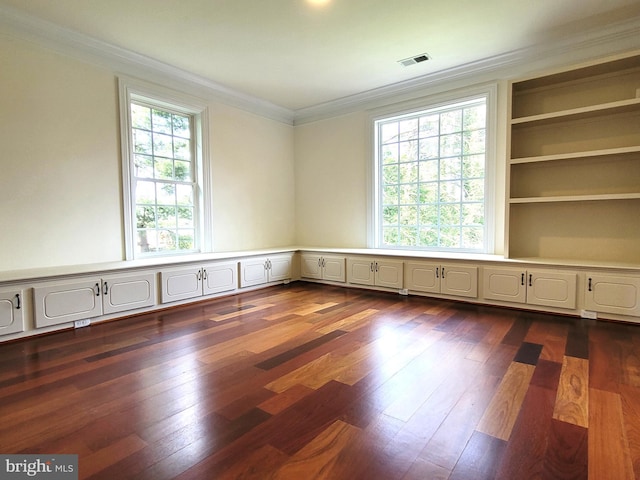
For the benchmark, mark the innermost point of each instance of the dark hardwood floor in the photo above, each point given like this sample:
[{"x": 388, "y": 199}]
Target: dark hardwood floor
[{"x": 309, "y": 381}]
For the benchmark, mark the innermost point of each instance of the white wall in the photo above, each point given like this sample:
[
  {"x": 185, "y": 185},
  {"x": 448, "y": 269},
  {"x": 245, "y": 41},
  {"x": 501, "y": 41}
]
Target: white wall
[
  {"x": 331, "y": 182},
  {"x": 60, "y": 177}
]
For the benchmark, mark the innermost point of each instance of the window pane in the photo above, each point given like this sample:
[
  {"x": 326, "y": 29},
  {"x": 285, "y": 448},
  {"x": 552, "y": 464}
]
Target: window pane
[
  {"x": 143, "y": 166},
  {"x": 390, "y": 215},
  {"x": 161, "y": 121},
  {"x": 409, "y": 129},
  {"x": 145, "y": 216},
  {"x": 450, "y": 145},
  {"x": 185, "y": 217},
  {"x": 142, "y": 141},
  {"x": 390, "y": 174},
  {"x": 164, "y": 168},
  {"x": 167, "y": 217},
  {"x": 182, "y": 149},
  {"x": 184, "y": 195},
  {"x": 451, "y": 121},
  {"x": 140, "y": 117},
  {"x": 409, "y": 172},
  {"x": 408, "y": 151},
  {"x": 186, "y": 239},
  {"x": 390, "y": 153},
  {"x": 146, "y": 241},
  {"x": 432, "y": 176},
  {"x": 181, "y": 126},
  {"x": 430, "y": 126},
  {"x": 162, "y": 145},
  {"x": 475, "y": 117},
  {"x": 389, "y": 132},
  {"x": 182, "y": 171},
  {"x": 429, "y": 148},
  {"x": 145, "y": 192},
  {"x": 166, "y": 194}
]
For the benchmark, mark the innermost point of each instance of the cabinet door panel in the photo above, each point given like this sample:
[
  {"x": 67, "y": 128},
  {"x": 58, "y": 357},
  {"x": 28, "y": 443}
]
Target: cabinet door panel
[
  {"x": 11, "y": 316},
  {"x": 181, "y": 284},
  {"x": 253, "y": 272},
  {"x": 389, "y": 274},
  {"x": 360, "y": 271},
  {"x": 422, "y": 277},
  {"x": 461, "y": 281},
  {"x": 333, "y": 269},
  {"x": 220, "y": 277},
  {"x": 121, "y": 293},
  {"x": 310, "y": 266},
  {"x": 613, "y": 294},
  {"x": 507, "y": 284},
  {"x": 551, "y": 289},
  {"x": 68, "y": 302},
  {"x": 280, "y": 268}
]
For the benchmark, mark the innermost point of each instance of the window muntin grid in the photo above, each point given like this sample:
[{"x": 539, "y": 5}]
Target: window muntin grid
[{"x": 431, "y": 178}]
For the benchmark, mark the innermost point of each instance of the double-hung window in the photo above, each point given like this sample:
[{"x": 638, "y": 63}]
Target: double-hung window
[
  {"x": 431, "y": 188},
  {"x": 163, "y": 168}
]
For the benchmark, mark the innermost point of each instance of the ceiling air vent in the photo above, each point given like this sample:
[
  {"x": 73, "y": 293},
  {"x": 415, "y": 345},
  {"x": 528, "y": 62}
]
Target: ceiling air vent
[{"x": 423, "y": 57}]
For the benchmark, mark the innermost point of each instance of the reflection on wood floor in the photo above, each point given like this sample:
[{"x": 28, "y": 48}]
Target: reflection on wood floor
[{"x": 311, "y": 381}]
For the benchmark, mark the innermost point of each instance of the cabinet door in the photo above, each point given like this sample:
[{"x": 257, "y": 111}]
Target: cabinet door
[
  {"x": 220, "y": 277},
  {"x": 613, "y": 294},
  {"x": 459, "y": 280},
  {"x": 422, "y": 277},
  {"x": 128, "y": 292},
  {"x": 310, "y": 266},
  {"x": 389, "y": 273},
  {"x": 67, "y": 302},
  {"x": 253, "y": 272},
  {"x": 507, "y": 284},
  {"x": 11, "y": 312},
  {"x": 333, "y": 268},
  {"x": 181, "y": 283},
  {"x": 279, "y": 268},
  {"x": 360, "y": 271},
  {"x": 551, "y": 289}
]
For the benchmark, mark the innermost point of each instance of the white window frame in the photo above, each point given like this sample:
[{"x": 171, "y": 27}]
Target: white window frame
[
  {"x": 131, "y": 89},
  {"x": 490, "y": 92}
]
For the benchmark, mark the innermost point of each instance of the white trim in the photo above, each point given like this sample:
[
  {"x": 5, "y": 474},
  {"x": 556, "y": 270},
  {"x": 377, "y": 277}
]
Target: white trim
[
  {"x": 490, "y": 91},
  {"x": 586, "y": 45},
  {"x": 577, "y": 47},
  {"x": 130, "y": 88}
]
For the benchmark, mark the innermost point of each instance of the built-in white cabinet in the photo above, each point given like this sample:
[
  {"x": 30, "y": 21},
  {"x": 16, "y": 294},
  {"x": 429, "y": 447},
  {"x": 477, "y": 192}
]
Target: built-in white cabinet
[
  {"x": 428, "y": 277},
  {"x": 128, "y": 292},
  {"x": 548, "y": 288},
  {"x": 91, "y": 297},
  {"x": 11, "y": 311},
  {"x": 323, "y": 267},
  {"x": 259, "y": 270},
  {"x": 375, "y": 272},
  {"x": 612, "y": 294},
  {"x": 196, "y": 281}
]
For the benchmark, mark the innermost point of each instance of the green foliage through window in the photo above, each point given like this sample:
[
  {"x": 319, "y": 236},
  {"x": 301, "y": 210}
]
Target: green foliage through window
[
  {"x": 431, "y": 178},
  {"x": 163, "y": 179}
]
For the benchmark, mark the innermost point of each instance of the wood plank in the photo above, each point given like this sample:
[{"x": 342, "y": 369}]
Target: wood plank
[
  {"x": 609, "y": 453},
  {"x": 566, "y": 456},
  {"x": 572, "y": 401},
  {"x": 317, "y": 458},
  {"x": 136, "y": 400},
  {"x": 502, "y": 412},
  {"x": 631, "y": 413}
]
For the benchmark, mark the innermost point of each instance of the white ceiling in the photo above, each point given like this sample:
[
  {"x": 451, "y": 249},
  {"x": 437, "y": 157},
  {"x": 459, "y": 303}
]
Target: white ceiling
[{"x": 298, "y": 55}]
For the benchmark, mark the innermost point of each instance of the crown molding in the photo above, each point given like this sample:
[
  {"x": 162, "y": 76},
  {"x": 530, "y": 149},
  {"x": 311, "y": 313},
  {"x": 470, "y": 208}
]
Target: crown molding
[
  {"x": 588, "y": 44},
  {"x": 123, "y": 61},
  {"x": 580, "y": 46}
]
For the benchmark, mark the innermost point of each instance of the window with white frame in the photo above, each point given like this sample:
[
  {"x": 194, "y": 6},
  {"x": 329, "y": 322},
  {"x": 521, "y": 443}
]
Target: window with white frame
[
  {"x": 431, "y": 172},
  {"x": 164, "y": 195}
]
